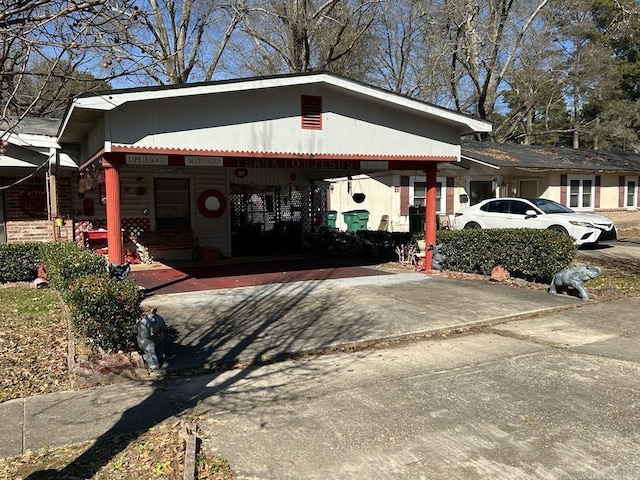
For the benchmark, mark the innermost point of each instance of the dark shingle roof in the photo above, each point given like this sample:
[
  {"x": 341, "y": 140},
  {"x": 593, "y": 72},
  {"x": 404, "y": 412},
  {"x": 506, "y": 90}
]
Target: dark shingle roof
[
  {"x": 550, "y": 158},
  {"x": 31, "y": 125}
]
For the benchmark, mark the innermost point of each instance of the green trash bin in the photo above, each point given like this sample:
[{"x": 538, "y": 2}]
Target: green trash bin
[
  {"x": 356, "y": 220},
  {"x": 332, "y": 216}
]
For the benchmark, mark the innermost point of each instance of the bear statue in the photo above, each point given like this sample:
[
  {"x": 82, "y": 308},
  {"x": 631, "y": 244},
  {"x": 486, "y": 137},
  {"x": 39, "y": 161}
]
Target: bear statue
[
  {"x": 439, "y": 259},
  {"x": 151, "y": 335},
  {"x": 574, "y": 278}
]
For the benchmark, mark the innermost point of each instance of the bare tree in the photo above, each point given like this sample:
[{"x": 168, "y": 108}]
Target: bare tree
[
  {"x": 305, "y": 35},
  {"x": 45, "y": 42},
  {"x": 485, "y": 38},
  {"x": 175, "y": 41}
]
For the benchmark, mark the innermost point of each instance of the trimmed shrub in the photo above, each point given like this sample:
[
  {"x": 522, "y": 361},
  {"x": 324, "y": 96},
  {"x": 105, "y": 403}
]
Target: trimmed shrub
[
  {"x": 19, "y": 262},
  {"x": 105, "y": 311},
  {"x": 531, "y": 254},
  {"x": 69, "y": 261}
]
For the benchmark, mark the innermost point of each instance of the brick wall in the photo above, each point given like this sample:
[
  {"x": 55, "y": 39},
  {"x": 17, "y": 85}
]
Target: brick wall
[
  {"x": 26, "y": 211},
  {"x": 29, "y": 231}
]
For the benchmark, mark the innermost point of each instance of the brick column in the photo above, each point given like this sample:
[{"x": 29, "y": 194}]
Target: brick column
[{"x": 114, "y": 225}]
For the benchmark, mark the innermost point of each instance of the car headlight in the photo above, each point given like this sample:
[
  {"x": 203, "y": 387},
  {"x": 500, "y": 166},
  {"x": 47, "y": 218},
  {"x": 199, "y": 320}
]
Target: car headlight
[{"x": 581, "y": 224}]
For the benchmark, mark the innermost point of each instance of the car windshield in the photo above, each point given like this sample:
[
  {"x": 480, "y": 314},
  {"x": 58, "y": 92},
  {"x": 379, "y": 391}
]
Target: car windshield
[{"x": 549, "y": 206}]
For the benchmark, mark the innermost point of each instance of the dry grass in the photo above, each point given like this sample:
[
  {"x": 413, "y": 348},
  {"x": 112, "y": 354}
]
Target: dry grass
[
  {"x": 33, "y": 342},
  {"x": 155, "y": 454},
  {"x": 33, "y": 360}
]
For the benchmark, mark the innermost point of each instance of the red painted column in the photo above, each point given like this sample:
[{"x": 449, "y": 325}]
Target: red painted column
[
  {"x": 430, "y": 213},
  {"x": 114, "y": 225}
]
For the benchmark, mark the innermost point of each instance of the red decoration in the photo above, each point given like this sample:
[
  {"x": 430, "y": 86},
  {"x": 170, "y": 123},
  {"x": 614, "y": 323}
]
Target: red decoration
[
  {"x": 292, "y": 176},
  {"x": 33, "y": 202},
  {"x": 241, "y": 172},
  {"x": 206, "y": 197}
]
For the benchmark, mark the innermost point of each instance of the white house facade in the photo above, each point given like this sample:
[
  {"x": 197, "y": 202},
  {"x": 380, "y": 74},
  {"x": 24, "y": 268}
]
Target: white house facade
[{"x": 242, "y": 163}]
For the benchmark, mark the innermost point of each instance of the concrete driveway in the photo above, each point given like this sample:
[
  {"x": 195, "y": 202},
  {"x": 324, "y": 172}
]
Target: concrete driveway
[{"x": 553, "y": 397}]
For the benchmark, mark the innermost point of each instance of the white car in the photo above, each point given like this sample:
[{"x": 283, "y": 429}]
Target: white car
[{"x": 585, "y": 228}]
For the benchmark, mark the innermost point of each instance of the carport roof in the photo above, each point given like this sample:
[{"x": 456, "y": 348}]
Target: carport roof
[{"x": 548, "y": 158}]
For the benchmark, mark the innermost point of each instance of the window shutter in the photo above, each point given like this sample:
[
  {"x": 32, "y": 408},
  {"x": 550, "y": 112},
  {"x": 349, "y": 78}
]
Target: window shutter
[
  {"x": 563, "y": 189},
  {"x": 449, "y": 200},
  {"x": 404, "y": 196},
  {"x": 597, "y": 199},
  {"x": 621, "y": 185},
  {"x": 311, "y": 107}
]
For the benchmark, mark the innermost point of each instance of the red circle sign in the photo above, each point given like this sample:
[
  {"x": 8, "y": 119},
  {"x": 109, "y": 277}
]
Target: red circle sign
[{"x": 212, "y": 203}]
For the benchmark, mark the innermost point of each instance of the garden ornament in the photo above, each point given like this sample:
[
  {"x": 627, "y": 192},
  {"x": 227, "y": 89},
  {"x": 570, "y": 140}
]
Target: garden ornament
[
  {"x": 151, "y": 334},
  {"x": 119, "y": 271},
  {"x": 438, "y": 261},
  {"x": 574, "y": 278}
]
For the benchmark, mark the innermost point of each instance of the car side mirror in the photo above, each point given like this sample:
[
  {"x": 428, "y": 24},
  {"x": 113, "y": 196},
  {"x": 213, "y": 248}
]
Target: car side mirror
[{"x": 530, "y": 214}]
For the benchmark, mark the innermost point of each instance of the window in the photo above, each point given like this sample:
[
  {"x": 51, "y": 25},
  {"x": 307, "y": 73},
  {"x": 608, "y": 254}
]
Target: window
[
  {"x": 497, "y": 206},
  {"x": 520, "y": 208},
  {"x": 631, "y": 192},
  {"x": 311, "y": 107},
  {"x": 418, "y": 193},
  {"x": 172, "y": 199},
  {"x": 581, "y": 191}
]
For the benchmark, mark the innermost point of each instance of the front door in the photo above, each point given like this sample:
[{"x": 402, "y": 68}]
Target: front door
[
  {"x": 528, "y": 188},
  {"x": 480, "y": 190}
]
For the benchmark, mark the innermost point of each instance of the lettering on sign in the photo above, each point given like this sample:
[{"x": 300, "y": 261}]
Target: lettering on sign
[
  {"x": 168, "y": 169},
  {"x": 374, "y": 164},
  {"x": 195, "y": 161},
  {"x": 295, "y": 163},
  {"x": 147, "y": 159}
]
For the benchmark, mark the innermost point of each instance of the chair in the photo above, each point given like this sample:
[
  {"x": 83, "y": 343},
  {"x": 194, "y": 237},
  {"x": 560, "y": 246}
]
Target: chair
[
  {"x": 384, "y": 223},
  {"x": 444, "y": 222}
]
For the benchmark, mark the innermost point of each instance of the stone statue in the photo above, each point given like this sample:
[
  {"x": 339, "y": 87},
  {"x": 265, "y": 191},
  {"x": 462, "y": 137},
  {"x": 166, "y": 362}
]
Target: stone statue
[
  {"x": 151, "y": 334},
  {"x": 574, "y": 278},
  {"x": 439, "y": 259}
]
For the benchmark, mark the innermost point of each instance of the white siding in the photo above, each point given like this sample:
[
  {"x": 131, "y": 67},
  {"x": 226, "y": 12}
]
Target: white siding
[{"x": 270, "y": 122}]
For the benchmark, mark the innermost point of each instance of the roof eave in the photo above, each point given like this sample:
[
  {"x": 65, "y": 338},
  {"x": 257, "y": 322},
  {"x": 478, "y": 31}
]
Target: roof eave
[{"x": 106, "y": 101}]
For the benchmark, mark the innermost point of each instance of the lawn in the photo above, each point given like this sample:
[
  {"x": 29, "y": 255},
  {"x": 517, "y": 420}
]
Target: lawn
[{"x": 33, "y": 360}]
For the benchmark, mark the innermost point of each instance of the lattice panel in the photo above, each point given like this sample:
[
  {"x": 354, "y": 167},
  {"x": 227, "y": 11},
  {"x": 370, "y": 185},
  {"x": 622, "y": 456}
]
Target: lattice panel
[
  {"x": 130, "y": 227},
  {"x": 134, "y": 227}
]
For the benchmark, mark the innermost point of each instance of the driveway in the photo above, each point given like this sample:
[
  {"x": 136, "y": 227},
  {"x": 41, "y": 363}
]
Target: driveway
[{"x": 553, "y": 397}]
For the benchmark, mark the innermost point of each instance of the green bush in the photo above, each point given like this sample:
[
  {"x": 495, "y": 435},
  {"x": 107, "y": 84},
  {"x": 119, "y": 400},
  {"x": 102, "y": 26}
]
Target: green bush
[
  {"x": 19, "y": 262},
  {"x": 105, "y": 310},
  {"x": 531, "y": 254},
  {"x": 69, "y": 261}
]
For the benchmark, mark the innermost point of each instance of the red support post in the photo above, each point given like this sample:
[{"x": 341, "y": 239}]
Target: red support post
[
  {"x": 430, "y": 213},
  {"x": 114, "y": 224}
]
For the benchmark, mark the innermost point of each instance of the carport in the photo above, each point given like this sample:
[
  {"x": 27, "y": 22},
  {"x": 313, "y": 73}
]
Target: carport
[{"x": 237, "y": 162}]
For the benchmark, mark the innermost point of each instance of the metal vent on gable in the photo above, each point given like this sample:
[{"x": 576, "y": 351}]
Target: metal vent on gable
[{"x": 311, "y": 112}]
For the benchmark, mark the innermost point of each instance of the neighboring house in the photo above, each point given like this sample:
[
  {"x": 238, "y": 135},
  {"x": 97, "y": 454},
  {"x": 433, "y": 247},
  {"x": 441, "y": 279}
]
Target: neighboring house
[
  {"x": 240, "y": 163},
  {"x": 585, "y": 180},
  {"x": 31, "y": 167}
]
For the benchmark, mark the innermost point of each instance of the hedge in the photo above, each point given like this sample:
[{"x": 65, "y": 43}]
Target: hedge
[{"x": 531, "y": 254}]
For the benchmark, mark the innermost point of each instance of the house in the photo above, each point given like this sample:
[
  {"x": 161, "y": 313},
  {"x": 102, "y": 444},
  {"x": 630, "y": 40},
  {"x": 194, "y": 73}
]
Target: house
[
  {"x": 32, "y": 166},
  {"x": 588, "y": 180},
  {"x": 240, "y": 163}
]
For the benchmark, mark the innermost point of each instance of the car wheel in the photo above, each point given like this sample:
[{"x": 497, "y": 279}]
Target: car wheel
[
  {"x": 472, "y": 225},
  {"x": 559, "y": 228}
]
